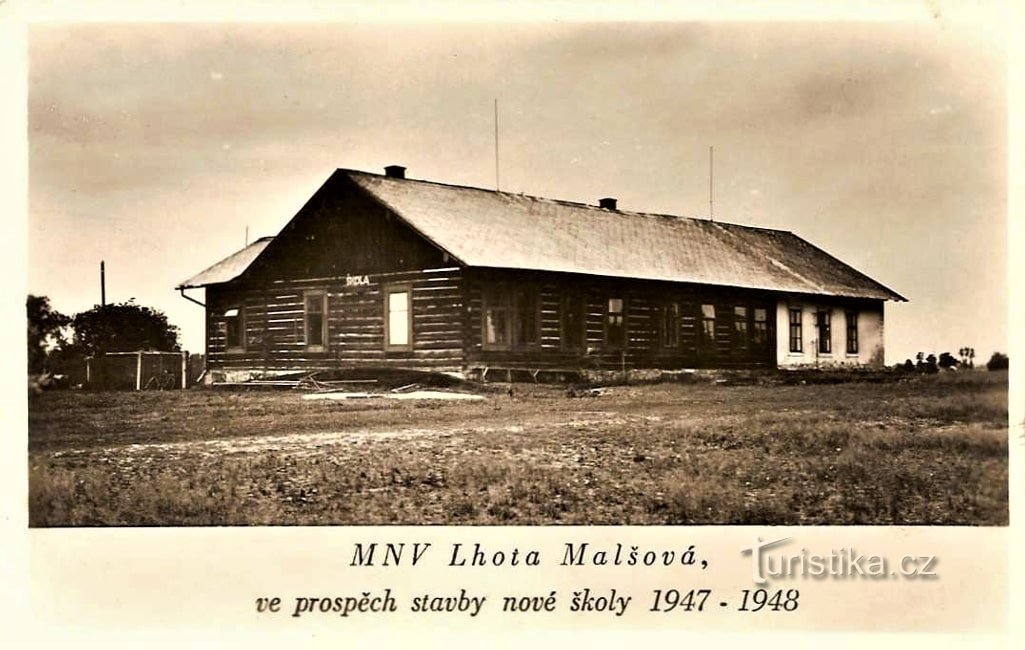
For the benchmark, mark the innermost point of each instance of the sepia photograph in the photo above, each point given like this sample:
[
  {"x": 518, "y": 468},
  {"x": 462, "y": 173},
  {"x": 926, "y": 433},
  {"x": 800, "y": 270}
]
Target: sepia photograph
[{"x": 517, "y": 274}]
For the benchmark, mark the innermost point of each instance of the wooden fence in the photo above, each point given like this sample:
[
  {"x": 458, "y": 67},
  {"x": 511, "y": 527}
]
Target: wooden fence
[{"x": 140, "y": 370}]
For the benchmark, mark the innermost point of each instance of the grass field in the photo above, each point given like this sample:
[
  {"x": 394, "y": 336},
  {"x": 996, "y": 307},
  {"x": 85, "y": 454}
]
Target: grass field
[{"x": 927, "y": 450}]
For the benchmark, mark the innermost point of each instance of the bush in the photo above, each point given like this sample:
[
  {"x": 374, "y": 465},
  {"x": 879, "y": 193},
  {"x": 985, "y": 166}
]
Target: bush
[
  {"x": 123, "y": 327},
  {"x": 999, "y": 361}
]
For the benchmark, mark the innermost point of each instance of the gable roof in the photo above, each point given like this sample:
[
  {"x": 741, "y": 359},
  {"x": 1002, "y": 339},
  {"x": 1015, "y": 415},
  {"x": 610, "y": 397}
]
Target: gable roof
[
  {"x": 492, "y": 229},
  {"x": 229, "y": 268},
  {"x": 487, "y": 228}
]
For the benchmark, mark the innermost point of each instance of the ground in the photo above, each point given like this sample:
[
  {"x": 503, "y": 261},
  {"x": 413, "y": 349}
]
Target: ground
[{"x": 924, "y": 450}]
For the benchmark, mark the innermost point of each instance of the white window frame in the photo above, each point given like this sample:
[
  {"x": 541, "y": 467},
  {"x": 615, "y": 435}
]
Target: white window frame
[{"x": 390, "y": 290}]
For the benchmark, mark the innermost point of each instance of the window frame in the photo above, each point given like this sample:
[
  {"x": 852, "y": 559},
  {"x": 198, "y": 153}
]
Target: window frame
[
  {"x": 609, "y": 327},
  {"x": 323, "y": 345},
  {"x": 760, "y": 336},
  {"x": 509, "y": 299},
  {"x": 707, "y": 335},
  {"x": 824, "y": 330},
  {"x": 388, "y": 291},
  {"x": 851, "y": 325},
  {"x": 241, "y": 316},
  {"x": 520, "y": 294},
  {"x": 741, "y": 328},
  {"x": 496, "y": 296},
  {"x": 576, "y": 303},
  {"x": 795, "y": 329},
  {"x": 669, "y": 313}
]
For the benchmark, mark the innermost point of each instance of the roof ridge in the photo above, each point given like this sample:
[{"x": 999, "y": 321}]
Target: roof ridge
[{"x": 579, "y": 204}]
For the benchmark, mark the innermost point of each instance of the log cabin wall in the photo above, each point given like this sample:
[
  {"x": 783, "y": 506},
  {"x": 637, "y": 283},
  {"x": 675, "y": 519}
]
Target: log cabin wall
[
  {"x": 649, "y": 337},
  {"x": 277, "y": 323},
  {"x": 449, "y": 327}
]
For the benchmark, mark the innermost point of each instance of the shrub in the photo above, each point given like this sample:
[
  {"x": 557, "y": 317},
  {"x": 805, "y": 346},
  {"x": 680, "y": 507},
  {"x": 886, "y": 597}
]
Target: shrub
[{"x": 999, "y": 361}]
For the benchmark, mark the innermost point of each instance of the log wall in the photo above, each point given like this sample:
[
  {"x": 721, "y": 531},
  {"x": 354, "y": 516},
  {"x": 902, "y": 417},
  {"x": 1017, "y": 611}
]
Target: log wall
[
  {"x": 275, "y": 328},
  {"x": 643, "y": 323}
]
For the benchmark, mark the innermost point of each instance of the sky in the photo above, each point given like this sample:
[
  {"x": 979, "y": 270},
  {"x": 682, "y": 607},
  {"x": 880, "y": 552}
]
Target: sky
[{"x": 155, "y": 146}]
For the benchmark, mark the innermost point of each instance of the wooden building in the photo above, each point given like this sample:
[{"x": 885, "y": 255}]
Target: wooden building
[{"x": 385, "y": 271}]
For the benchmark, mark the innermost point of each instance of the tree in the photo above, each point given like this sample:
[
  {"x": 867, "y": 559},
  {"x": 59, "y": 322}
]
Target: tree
[
  {"x": 967, "y": 355},
  {"x": 998, "y": 361},
  {"x": 123, "y": 327},
  {"x": 947, "y": 361},
  {"x": 45, "y": 326}
]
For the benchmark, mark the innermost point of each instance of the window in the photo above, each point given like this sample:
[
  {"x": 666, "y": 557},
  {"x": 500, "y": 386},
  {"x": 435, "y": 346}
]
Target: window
[
  {"x": 615, "y": 324},
  {"x": 234, "y": 330},
  {"x": 852, "y": 332},
  {"x": 760, "y": 334},
  {"x": 707, "y": 324},
  {"x": 496, "y": 327},
  {"x": 740, "y": 332},
  {"x": 316, "y": 321},
  {"x": 510, "y": 318},
  {"x": 574, "y": 326},
  {"x": 796, "y": 333},
  {"x": 670, "y": 325},
  {"x": 398, "y": 321},
  {"x": 822, "y": 319},
  {"x": 527, "y": 331}
]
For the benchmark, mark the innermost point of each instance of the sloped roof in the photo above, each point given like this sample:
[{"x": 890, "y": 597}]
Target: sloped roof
[
  {"x": 491, "y": 229},
  {"x": 229, "y": 268},
  {"x": 486, "y": 228}
]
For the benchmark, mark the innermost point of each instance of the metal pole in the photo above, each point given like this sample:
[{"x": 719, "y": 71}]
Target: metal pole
[
  {"x": 103, "y": 284},
  {"x": 138, "y": 370},
  {"x": 498, "y": 186},
  {"x": 711, "y": 172}
]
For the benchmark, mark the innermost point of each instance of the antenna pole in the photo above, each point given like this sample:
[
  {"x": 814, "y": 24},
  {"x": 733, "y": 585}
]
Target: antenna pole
[
  {"x": 711, "y": 171},
  {"x": 103, "y": 284},
  {"x": 497, "y": 184},
  {"x": 247, "y": 237}
]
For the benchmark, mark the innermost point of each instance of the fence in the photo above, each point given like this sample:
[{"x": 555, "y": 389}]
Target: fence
[{"x": 138, "y": 371}]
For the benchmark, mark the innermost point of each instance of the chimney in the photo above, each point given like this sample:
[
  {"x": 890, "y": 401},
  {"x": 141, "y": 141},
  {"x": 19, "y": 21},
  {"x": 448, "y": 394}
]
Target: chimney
[
  {"x": 395, "y": 171},
  {"x": 608, "y": 203}
]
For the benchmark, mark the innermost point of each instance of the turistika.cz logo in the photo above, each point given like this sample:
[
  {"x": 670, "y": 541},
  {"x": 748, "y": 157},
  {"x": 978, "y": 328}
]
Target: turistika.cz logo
[{"x": 769, "y": 562}]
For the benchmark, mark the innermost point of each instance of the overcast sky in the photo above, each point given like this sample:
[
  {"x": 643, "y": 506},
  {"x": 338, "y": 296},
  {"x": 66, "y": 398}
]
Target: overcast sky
[{"x": 153, "y": 147}]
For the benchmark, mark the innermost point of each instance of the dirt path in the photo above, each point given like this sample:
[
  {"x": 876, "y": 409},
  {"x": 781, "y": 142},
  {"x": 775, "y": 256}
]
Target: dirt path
[{"x": 303, "y": 444}]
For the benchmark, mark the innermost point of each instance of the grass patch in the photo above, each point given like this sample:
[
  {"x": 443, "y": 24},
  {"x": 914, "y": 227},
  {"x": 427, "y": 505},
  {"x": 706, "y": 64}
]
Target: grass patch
[{"x": 931, "y": 450}]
